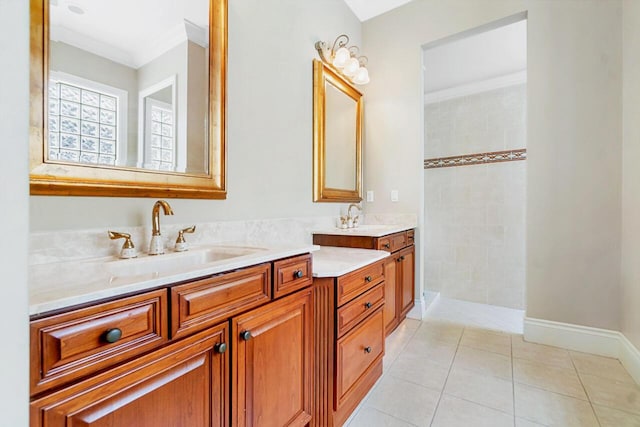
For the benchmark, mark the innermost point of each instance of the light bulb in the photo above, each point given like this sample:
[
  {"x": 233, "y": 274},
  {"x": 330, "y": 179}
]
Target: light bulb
[
  {"x": 351, "y": 67},
  {"x": 341, "y": 57},
  {"x": 362, "y": 76}
]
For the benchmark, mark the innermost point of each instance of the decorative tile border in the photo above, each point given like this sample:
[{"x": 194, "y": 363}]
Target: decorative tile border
[{"x": 476, "y": 159}]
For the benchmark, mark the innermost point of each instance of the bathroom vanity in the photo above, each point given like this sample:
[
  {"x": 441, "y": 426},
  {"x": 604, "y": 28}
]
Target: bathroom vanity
[
  {"x": 163, "y": 348},
  {"x": 349, "y": 330},
  {"x": 399, "y": 268}
]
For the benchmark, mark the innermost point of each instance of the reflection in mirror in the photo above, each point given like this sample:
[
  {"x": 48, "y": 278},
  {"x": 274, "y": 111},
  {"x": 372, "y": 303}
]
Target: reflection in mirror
[
  {"x": 340, "y": 119},
  {"x": 128, "y": 98},
  {"x": 128, "y": 84},
  {"x": 337, "y": 137}
]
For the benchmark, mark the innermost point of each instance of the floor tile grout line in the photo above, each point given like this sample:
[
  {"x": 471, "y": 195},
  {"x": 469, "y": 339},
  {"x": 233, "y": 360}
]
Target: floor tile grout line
[
  {"x": 585, "y": 390},
  {"x": 435, "y": 410}
]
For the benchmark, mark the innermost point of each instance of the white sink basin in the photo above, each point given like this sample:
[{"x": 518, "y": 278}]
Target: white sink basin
[{"x": 176, "y": 261}]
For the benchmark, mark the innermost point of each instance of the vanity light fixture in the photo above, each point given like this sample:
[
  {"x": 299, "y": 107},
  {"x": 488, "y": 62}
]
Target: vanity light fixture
[{"x": 344, "y": 59}]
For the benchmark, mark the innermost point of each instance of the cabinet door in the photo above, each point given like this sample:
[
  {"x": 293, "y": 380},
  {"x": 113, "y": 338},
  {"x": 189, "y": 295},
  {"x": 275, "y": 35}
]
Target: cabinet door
[
  {"x": 390, "y": 312},
  {"x": 272, "y": 364},
  {"x": 406, "y": 280},
  {"x": 184, "y": 384}
]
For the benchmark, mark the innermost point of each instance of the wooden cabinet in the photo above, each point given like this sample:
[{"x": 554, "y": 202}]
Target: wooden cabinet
[
  {"x": 348, "y": 338},
  {"x": 68, "y": 346},
  {"x": 183, "y": 384},
  {"x": 405, "y": 259},
  {"x": 272, "y": 364},
  {"x": 165, "y": 358},
  {"x": 202, "y": 303},
  {"x": 399, "y": 269}
]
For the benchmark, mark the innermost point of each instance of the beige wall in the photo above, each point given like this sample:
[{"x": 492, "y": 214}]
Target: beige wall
[
  {"x": 631, "y": 173},
  {"x": 269, "y": 113},
  {"x": 574, "y": 131},
  {"x": 14, "y": 107}
]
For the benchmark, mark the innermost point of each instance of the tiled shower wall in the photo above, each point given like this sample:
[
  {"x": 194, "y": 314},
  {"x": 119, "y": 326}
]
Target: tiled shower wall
[{"x": 475, "y": 214}]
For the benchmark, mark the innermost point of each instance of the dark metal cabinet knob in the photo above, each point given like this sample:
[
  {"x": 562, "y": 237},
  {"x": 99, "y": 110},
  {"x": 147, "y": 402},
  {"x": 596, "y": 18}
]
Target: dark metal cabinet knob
[
  {"x": 246, "y": 335},
  {"x": 112, "y": 335},
  {"x": 220, "y": 347},
  {"x": 367, "y": 305},
  {"x": 386, "y": 246},
  {"x": 367, "y": 279},
  {"x": 367, "y": 350},
  {"x": 298, "y": 274}
]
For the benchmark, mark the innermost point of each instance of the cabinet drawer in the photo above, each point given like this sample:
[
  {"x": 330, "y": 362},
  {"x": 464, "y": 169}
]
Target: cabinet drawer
[
  {"x": 354, "y": 312},
  {"x": 71, "y": 345},
  {"x": 291, "y": 274},
  {"x": 353, "y": 284},
  {"x": 203, "y": 303},
  {"x": 356, "y": 352},
  {"x": 392, "y": 242},
  {"x": 410, "y": 237}
]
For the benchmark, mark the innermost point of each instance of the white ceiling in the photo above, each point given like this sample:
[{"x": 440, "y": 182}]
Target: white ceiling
[
  {"x": 126, "y": 31},
  {"x": 367, "y": 9},
  {"x": 488, "y": 55}
]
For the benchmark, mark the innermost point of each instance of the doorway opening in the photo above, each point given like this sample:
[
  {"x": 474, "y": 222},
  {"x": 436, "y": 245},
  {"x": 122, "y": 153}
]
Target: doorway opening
[{"x": 475, "y": 92}]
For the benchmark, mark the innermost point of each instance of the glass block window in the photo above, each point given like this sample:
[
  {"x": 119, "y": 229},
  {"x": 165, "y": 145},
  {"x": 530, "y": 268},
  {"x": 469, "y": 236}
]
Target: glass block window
[
  {"x": 83, "y": 125},
  {"x": 162, "y": 138}
]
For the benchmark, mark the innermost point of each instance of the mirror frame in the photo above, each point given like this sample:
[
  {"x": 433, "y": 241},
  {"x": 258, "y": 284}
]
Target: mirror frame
[
  {"x": 321, "y": 193},
  {"x": 69, "y": 179}
]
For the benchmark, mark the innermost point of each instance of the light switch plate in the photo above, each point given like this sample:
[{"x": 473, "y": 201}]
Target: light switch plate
[
  {"x": 394, "y": 195},
  {"x": 370, "y": 196}
]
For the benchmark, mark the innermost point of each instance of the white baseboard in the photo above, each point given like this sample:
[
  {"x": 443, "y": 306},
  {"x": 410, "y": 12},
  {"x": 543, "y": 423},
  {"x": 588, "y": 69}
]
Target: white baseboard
[
  {"x": 418, "y": 310},
  {"x": 602, "y": 342}
]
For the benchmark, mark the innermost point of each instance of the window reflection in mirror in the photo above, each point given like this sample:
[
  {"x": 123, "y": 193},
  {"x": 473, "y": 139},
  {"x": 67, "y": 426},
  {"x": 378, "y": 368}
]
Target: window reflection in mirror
[{"x": 128, "y": 84}]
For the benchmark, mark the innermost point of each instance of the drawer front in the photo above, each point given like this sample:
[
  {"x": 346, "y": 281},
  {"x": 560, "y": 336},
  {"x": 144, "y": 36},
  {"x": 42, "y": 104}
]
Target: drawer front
[
  {"x": 290, "y": 275},
  {"x": 398, "y": 241},
  {"x": 70, "y": 345},
  {"x": 354, "y": 312},
  {"x": 356, "y": 352},
  {"x": 353, "y": 284},
  {"x": 197, "y": 305},
  {"x": 392, "y": 242},
  {"x": 411, "y": 237}
]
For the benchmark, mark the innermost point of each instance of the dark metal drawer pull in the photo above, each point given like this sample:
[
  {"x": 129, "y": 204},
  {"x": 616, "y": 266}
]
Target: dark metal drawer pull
[{"x": 112, "y": 335}]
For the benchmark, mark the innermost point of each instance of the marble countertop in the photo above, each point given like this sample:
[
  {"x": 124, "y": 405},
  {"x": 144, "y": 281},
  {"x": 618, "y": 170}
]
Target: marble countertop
[
  {"x": 367, "y": 230},
  {"x": 55, "y": 286},
  {"x": 332, "y": 261}
]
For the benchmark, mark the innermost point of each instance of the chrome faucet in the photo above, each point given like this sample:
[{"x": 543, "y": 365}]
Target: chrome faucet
[{"x": 156, "y": 247}]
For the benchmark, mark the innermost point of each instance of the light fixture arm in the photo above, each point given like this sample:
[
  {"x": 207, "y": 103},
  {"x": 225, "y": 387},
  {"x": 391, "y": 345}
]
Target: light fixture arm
[
  {"x": 342, "y": 40},
  {"x": 336, "y": 57}
]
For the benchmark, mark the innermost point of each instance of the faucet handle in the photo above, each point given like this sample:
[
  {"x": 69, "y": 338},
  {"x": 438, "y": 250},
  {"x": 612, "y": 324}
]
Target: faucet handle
[
  {"x": 181, "y": 244},
  {"x": 128, "y": 249}
]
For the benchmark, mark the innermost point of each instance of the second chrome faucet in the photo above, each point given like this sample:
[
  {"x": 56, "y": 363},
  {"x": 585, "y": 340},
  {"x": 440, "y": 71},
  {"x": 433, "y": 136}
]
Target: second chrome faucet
[{"x": 156, "y": 247}]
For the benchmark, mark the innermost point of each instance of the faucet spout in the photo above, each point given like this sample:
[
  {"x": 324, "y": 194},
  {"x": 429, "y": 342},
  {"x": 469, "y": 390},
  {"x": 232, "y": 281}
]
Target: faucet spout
[
  {"x": 155, "y": 215},
  {"x": 353, "y": 205},
  {"x": 156, "y": 247}
]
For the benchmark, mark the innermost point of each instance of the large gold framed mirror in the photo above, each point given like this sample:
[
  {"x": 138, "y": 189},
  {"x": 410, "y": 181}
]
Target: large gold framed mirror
[
  {"x": 337, "y": 137},
  {"x": 128, "y": 98}
]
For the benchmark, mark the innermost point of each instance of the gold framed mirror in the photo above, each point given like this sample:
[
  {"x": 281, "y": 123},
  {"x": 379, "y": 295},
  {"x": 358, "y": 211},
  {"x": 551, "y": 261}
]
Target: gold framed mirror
[
  {"x": 337, "y": 137},
  {"x": 128, "y": 98}
]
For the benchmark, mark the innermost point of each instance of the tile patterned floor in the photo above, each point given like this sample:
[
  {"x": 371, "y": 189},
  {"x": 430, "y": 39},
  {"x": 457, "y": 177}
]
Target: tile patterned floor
[{"x": 443, "y": 374}]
